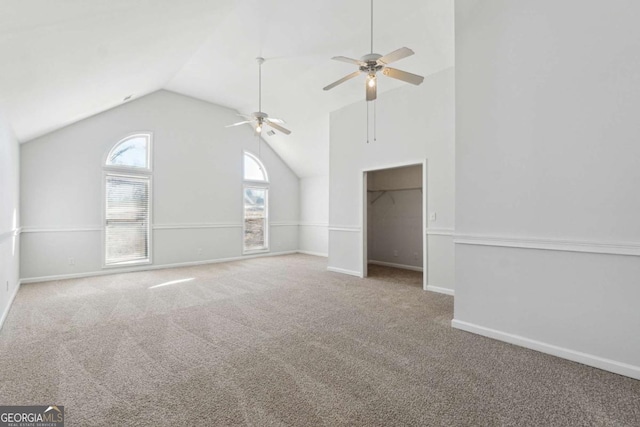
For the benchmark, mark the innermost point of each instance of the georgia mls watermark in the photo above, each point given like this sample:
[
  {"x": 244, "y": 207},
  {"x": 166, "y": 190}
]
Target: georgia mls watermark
[{"x": 32, "y": 416}]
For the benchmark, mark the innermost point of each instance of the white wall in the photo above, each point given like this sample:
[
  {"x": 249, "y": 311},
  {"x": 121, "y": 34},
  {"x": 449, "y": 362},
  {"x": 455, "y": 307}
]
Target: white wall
[
  {"x": 9, "y": 217},
  {"x": 547, "y": 173},
  {"x": 197, "y": 182},
  {"x": 314, "y": 215},
  {"x": 413, "y": 124},
  {"x": 394, "y": 216}
]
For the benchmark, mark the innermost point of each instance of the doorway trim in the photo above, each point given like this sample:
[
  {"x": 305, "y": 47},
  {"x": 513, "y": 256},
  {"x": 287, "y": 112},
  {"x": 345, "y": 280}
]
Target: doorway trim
[{"x": 363, "y": 215}]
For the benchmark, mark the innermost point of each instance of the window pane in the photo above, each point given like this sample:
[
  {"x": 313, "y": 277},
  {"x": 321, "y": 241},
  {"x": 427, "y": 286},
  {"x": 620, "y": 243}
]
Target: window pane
[
  {"x": 255, "y": 218},
  {"x": 253, "y": 170},
  {"x": 131, "y": 152},
  {"x": 127, "y": 219}
]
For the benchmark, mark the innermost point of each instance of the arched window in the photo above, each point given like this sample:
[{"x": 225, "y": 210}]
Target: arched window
[
  {"x": 255, "y": 195},
  {"x": 253, "y": 169},
  {"x": 132, "y": 152},
  {"x": 127, "y": 216}
]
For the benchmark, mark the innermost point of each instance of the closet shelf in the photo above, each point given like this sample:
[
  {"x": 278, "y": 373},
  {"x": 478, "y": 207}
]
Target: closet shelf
[{"x": 383, "y": 192}]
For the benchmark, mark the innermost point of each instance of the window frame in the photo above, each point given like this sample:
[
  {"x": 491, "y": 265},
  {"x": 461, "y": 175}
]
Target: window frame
[
  {"x": 261, "y": 185},
  {"x": 128, "y": 172}
]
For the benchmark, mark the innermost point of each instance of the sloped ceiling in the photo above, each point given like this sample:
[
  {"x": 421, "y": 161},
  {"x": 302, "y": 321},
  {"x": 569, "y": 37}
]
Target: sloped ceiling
[{"x": 65, "y": 60}]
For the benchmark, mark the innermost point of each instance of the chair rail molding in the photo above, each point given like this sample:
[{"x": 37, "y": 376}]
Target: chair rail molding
[
  {"x": 313, "y": 224},
  {"x": 440, "y": 231},
  {"x": 10, "y": 233},
  {"x": 283, "y": 224},
  {"x": 347, "y": 228},
  {"x": 61, "y": 229},
  {"x": 598, "y": 247}
]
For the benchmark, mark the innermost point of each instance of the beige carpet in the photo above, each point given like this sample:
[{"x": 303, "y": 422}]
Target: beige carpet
[{"x": 281, "y": 341}]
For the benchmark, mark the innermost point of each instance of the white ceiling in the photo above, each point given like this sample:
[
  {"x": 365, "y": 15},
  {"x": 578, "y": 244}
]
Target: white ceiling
[{"x": 65, "y": 60}]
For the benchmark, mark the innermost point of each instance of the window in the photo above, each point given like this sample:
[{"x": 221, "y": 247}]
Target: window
[
  {"x": 255, "y": 218},
  {"x": 128, "y": 202},
  {"x": 131, "y": 152},
  {"x": 255, "y": 195},
  {"x": 253, "y": 169}
]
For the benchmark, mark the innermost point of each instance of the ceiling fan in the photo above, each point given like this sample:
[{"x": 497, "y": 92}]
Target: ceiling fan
[
  {"x": 260, "y": 119},
  {"x": 372, "y": 63}
]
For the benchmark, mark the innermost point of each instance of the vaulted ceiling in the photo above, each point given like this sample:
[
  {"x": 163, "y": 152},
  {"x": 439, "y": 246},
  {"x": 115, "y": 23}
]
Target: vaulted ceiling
[{"x": 65, "y": 60}]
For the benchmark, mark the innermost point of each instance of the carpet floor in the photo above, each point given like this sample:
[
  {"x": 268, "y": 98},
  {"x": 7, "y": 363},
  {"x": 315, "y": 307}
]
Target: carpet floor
[{"x": 280, "y": 341}]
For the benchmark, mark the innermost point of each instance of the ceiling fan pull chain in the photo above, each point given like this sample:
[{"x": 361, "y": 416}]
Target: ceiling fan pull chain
[
  {"x": 374, "y": 122},
  {"x": 371, "y": 63},
  {"x": 367, "y": 122}
]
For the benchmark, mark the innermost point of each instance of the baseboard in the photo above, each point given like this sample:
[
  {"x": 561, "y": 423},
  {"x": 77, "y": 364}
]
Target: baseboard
[
  {"x": 6, "y": 312},
  {"x": 440, "y": 290},
  {"x": 149, "y": 267},
  {"x": 565, "y": 353},
  {"x": 394, "y": 265},
  {"x": 344, "y": 271},
  {"x": 314, "y": 253}
]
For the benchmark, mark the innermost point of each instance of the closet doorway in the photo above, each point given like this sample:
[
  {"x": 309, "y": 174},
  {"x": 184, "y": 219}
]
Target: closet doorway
[{"x": 394, "y": 218}]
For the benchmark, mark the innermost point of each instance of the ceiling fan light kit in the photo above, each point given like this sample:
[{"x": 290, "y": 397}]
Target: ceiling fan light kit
[
  {"x": 259, "y": 119},
  {"x": 370, "y": 65},
  {"x": 372, "y": 62}
]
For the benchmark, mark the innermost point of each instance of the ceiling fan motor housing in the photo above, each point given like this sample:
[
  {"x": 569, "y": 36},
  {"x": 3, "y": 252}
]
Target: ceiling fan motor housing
[
  {"x": 370, "y": 57},
  {"x": 259, "y": 118},
  {"x": 372, "y": 66}
]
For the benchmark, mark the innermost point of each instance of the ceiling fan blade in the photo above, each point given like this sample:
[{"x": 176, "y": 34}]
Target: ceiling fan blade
[
  {"x": 396, "y": 55},
  {"x": 274, "y": 120},
  {"x": 278, "y": 127},
  {"x": 239, "y": 123},
  {"x": 414, "y": 79},
  {"x": 342, "y": 80},
  {"x": 349, "y": 60},
  {"x": 371, "y": 91}
]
